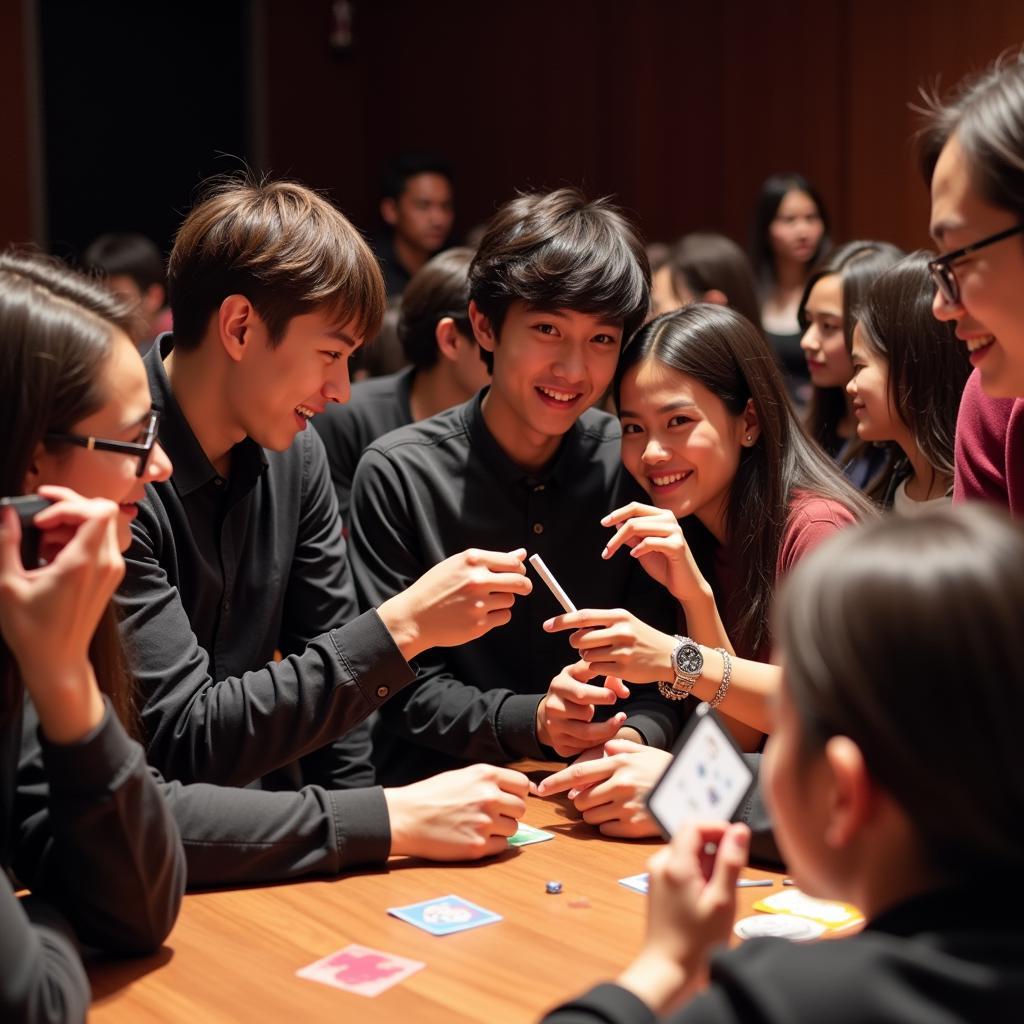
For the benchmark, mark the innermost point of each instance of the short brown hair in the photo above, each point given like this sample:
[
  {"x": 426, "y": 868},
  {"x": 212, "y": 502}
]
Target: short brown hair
[{"x": 283, "y": 247}]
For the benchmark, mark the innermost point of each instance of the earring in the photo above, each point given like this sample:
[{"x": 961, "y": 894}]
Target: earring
[{"x": 749, "y": 439}]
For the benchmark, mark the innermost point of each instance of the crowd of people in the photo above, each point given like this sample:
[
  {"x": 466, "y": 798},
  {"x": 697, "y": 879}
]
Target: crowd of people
[{"x": 276, "y": 624}]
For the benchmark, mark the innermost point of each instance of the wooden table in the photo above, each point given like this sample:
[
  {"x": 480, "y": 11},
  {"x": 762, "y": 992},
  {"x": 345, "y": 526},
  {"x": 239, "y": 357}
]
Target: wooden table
[{"x": 233, "y": 953}]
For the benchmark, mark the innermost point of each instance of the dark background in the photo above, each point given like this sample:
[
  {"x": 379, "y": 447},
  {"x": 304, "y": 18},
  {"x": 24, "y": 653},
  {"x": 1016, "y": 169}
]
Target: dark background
[{"x": 113, "y": 112}]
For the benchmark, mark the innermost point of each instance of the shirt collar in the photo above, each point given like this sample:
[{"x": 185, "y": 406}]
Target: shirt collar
[
  {"x": 563, "y": 466},
  {"x": 192, "y": 469}
]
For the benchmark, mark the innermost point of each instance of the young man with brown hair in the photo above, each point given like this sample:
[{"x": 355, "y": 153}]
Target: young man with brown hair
[{"x": 240, "y": 554}]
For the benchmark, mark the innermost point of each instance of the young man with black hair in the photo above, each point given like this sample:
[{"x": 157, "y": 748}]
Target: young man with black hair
[
  {"x": 556, "y": 287},
  {"x": 240, "y": 553},
  {"x": 417, "y": 205},
  {"x": 446, "y": 368}
]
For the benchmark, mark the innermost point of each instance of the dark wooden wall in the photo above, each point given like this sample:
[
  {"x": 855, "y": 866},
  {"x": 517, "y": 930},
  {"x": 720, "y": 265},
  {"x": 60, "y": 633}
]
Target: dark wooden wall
[{"x": 679, "y": 108}]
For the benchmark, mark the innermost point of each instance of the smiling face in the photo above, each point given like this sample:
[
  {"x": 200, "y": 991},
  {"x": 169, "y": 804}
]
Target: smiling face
[
  {"x": 274, "y": 391},
  {"x": 123, "y": 416},
  {"x": 796, "y": 230},
  {"x": 990, "y": 312},
  {"x": 549, "y": 367},
  {"x": 868, "y": 389},
  {"x": 680, "y": 442},
  {"x": 823, "y": 343}
]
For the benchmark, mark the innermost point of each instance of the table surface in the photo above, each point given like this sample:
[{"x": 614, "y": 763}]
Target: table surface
[{"x": 233, "y": 954}]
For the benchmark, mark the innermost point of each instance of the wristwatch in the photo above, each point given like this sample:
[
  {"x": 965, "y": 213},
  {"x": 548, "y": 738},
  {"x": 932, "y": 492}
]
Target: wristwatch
[{"x": 687, "y": 665}]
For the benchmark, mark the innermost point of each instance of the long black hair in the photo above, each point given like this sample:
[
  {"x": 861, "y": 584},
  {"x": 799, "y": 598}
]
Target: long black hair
[
  {"x": 725, "y": 352},
  {"x": 57, "y": 329},
  {"x": 927, "y": 366}
]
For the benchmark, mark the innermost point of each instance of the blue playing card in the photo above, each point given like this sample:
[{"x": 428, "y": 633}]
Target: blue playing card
[{"x": 444, "y": 915}]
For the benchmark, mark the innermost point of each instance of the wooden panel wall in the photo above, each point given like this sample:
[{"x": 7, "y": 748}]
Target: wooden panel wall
[{"x": 680, "y": 108}]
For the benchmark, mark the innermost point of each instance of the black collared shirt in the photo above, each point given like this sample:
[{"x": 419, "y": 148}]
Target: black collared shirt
[
  {"x": 442, "y": 485},
  {"x": 220, "y": 574},
  {"x": 377, "y": 406}
]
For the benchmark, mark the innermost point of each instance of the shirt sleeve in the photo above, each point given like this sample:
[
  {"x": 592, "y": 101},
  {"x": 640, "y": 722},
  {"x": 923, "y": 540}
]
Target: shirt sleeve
[
  {"x": 234, "y": 730},
  {"x": 95, "y": 839},
  {"x": 810, "y": 523},
  {"x": 438, "y": 711},
  {"x": 603, "y": 1004},
  {"x": 980, "y": 470},
  {"x": 244, "y": 836},
  {"x": 43, "y": 980}
]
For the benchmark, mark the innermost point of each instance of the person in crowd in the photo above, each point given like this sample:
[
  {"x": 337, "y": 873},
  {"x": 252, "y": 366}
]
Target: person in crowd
[
  {"x": 833, "y": 291},
  {"x": 738, "y": 496},
  {"x": 874, "y": 631},
  {"x": 131, "y": 266},
  {"x": 909, "y": 373},
  {"x": 231, "y": 836},
  {"x": 417, "y": 206},
  {"x": 705, "y": 267},
  {"x": 972, "y": 148},
  {"x": 445, "y": 369},
  {"x": 99, "y": 851},
  {"x": 556, "y": 285},
  {"x": 241, "y": 555},
  {"x": 790, "y": 235}
]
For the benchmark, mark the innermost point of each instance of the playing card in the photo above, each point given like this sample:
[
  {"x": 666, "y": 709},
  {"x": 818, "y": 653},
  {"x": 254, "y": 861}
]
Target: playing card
[
  {"x": 527, "y": 834},
  {"x": 639, "y": 883},
  {"x": 444, "y": 915},
  {"x": 359, "y": 969},
  {"x": 707, "y": 780}
]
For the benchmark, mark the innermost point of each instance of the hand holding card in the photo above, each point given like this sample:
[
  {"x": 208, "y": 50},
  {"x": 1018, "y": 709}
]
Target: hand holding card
[{"x": 707, "y": 779}]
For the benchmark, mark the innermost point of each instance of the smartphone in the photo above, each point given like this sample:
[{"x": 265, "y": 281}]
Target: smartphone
[
  {"x": 552, "y": 584},
  {"x": 27, "y": 506},
  {"x": 707, "y": 780}
]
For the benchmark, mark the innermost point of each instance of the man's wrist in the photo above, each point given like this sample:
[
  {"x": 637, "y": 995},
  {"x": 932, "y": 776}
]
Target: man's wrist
[{"x": 402, "y": 626}]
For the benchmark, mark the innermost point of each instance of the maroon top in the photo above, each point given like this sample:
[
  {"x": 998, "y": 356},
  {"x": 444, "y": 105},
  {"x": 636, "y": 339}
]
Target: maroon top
[
  {"x": 812, "y": 519},
  {"x": 989, "y": 449}
]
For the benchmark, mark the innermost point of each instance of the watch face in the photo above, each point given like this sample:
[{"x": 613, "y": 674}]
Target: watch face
[{"x": 689, "y": 660}]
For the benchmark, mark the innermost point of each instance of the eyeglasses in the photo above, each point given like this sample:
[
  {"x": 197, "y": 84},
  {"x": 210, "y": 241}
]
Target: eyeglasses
[
  {"x": 942, "y": 271},
  {"x": 140, "y": 449}
]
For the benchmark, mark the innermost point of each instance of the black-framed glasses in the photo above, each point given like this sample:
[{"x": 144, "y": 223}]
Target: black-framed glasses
[
  {"x": 140, "y": 449},
  {"x": 942, "y": 271}
]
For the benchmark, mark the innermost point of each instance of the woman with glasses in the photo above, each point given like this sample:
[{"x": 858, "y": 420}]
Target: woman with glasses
[
  {"x": 973, "y": 155},
  {"x": 82, "y": 824}
]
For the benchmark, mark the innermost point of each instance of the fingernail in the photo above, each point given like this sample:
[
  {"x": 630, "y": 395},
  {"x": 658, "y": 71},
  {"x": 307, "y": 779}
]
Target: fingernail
[
  {"x": 604, "y": 553},
  {"x": 549, "y": 623}
]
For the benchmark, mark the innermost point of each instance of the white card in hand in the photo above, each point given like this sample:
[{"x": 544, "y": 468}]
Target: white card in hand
[{"x": 707, "y": 779}]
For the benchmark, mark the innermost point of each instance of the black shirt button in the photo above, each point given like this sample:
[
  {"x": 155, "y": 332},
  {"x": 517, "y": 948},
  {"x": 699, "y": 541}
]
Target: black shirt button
[
  {"x": 538, "y": 528},
  {"x": 218, "y": 480}
]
